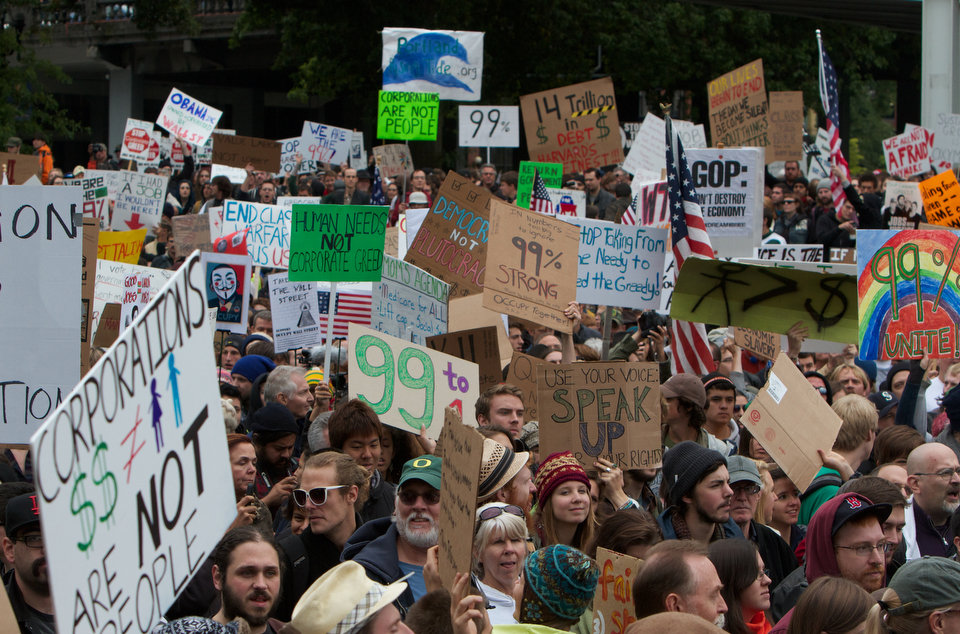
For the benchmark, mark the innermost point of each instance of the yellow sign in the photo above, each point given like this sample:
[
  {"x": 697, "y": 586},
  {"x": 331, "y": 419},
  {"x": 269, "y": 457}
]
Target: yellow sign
[{"x": 121, "y": 246}]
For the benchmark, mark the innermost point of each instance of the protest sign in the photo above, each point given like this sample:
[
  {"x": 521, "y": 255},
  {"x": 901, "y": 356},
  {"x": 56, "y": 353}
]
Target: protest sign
[
  {"x": 268, "y": 238},
  {"x": 187, "y": 118},
  {"x": 819, "y": 163},
  {"x": 786, "y": 126},
  {"x": 394, "y": 160},
  {"x": 523, "y": 373},
  {"x": 137, "y": 137},
  {"x": 337, "y": 242},
  {"x": 136, "y": 296},
  {"x": 762, "y": 344},
  {"x": 287, "y": 202},
  {"x": 88, "y": 277},
  {"x": 789, "y": 252},
  {"x": 907, "y": 154},
  {"x": 227, "y": 287},
  {"x": 647, "y": 156},
  {"x": 295, "y": 310},
  {"x": 536, "y": 262},
  {"x": 619, "y": 265},
  {"x": 653, "y": 200},
  {"x": 909, "y": 298},
  {"x": 613, "y": 602},
  {"x": 136, "y": 510},
  {"x": 19, "y": 167},
  {"x": 239, "y": 151},
  {"x": 395, "y": 238},
  {"x": 729, "y": 184},
  {"x": 462, "y": 452},
  {"x": 791, "y": 421},
  {"x": 551, "y": 173},
  {"x": 408, "y": 116},
  {"x": 845, "y": 255},
  {"x": 191, "y": 232},
  {"x": 95, "y": 196},
  {"x": 235, "y": 175},
  {"x": 941, "y": 199},
  {"x": 738, "y": 107},
  {"x": 489, "y": 126},
  {"x": 629, "y": 131},
  {"x": 108, "y": 326},
  {"x": 601, "y": 410},
  {"x": 109, "y": 283},
  {"x": 572, "y": 125},
  {"x": 570, "y": 203},
  {"x": 766, "y": 298},
  {"x": 449, "y": 63},
  {"x": 41, "y": 257},
  {"x": 902, "y": 205},
  {"x": 289, "y": 149},
  {"x": 358, "y": 152},
  {"x": 325, "y": 143},
  {"x": 352, "y": 306},
  {"x": 139, "y": 201},
  {"x": 408, "y": 385},
  {"x": 409, "y": 303},
  {"x": 946, "y": 138},
  {"x": 121, "y": 246},
  {"x": 468, "y": 312},
  {"x": 478, "y": 345},
  {"x": 799, "y": 265},
  {"x": 452, "y": 241}
]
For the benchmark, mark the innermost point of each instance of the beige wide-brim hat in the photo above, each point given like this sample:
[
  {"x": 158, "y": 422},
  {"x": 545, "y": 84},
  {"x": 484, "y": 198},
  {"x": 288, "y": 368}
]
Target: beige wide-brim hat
[
  {"x": 498, "y": 466},
  {"x": 342, "y": 599}
]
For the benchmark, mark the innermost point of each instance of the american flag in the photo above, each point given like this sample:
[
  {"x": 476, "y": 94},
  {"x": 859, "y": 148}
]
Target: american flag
[
  {"x": 540, "y": 197},
  {"x": 631, "y": 213},
  {"x": 830, "y": 98},
  {"x": 691, "y": 351},
  {"x": 352, "y": 305},
  {"x": 376, "y": 191}
]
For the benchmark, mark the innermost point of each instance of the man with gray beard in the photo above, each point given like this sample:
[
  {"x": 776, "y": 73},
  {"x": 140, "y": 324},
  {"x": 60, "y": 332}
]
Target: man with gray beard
[
  {"x": 390, "y": 548},
  {"x": 933, "y": 474}
]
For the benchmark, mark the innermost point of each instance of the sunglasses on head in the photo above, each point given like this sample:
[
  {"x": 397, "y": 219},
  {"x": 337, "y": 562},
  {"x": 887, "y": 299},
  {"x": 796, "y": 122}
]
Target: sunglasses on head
[
  {"x": 317, "y": 495},
  {"x": 497, "y": 511},
  {"x": 410, "y": 497},
  {"x": 789, "y": 200}
]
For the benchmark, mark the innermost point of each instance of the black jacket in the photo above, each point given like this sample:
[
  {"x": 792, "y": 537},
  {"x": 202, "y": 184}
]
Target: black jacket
[
  {"x": 374, "y": 546},
  {"x": 777, "y": 556}
]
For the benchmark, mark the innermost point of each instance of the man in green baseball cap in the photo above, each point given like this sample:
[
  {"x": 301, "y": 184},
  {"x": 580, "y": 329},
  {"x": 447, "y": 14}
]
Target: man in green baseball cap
[{"x": 390, "y": 548}]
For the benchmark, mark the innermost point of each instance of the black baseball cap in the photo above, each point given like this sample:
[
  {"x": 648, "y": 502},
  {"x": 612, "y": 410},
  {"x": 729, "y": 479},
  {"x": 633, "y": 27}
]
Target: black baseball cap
[
  {"x": 855, "y": 505},
  {"x": 22, "y": 512}
]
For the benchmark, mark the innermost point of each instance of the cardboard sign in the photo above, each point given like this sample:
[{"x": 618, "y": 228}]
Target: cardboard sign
[
  {"x": 20, "y": 167},
  {"x": 619, "y": 265},
  {"x": 478, "y": 345},
  {"x": 574, "y": 125},
  {"x": 730, "y": 191},
  {"x": 468, "y": 312},
  {"x": 489, "y": 126},
  {"x": 137, "y": 139},
  {"x": 40, "y": 304},
  {"x": 449, "y": 63},
  {"x": 289, "y": 149},
  {"x": 109, "y": 326},
  {"x": 96, "y": 196},
  {"x": 408, "y": 385},
  {"x": 121, "y": 246},
  {"x": 239, "y": 151},
  {"x": 408, "y": 116},
  {"x": 144, "y": 493},
  {"x": 452, "y": 241},
  {"x": 941, "y": 199},
  {"x": 907, "y": 154},
  {"x": 613, "y": 602},
  {"x": 295, "y": 310},
  {"x": 946, "y": 138},
  {"x": 790, "y": 252},
  {"x": 462, "y": 448},
  {"x": 791, "y": 421},
  {"x": 523, "y": 373},
  {"x": 187, "y": 118},
  {"x": 766, "y": 298},
  {"x": 738, "y": 107},
  {"x": 601, "y": 410},
  {"x": 786, "y": 126},
  {"x": 653, "y": 200},
  {"x": 325, "y": 143},
  {"x": 394, "y": 160},
  {"x": 551, "y": 173},
  {"x": 409, "y": 303},
  {"x": 268, "y": 238},
  {"x": 337, "y": 242},
  {"x": 535, "y": 259},
  {"x": 227, "y": 288},
  {"x": 762, "y": 344},
  {"x": 894, "y": 268},
  {"x": 88, "y": 276},
  {"x": 139, "y": 201},
  {"x": 190, "y": 233}
]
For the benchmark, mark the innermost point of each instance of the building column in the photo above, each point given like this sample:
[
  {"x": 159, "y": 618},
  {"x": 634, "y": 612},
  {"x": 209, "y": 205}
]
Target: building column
[
  {"x": 940, "y": 60},
  {"x": 120, "y": 106}
]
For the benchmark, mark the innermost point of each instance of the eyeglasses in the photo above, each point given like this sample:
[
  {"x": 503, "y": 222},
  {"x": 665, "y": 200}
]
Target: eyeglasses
[
  {"x": 749, "y": 489},
  {"x": 764, "y": 573},
  {"x": 317, "y": 495},
  {"x": 865, "y": 550},
  {"x": 32, "y": 541},
  {"x": 497, "y": 511},
  {"x": 790, "y": 200},
  {"x": 822, "y": 389},
  {"x": 943, "y": 473},
  {"x": 410, "y": 497}
]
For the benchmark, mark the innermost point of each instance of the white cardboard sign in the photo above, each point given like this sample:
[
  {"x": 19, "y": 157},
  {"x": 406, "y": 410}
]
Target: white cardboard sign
[{"x": 188, "y": 118}]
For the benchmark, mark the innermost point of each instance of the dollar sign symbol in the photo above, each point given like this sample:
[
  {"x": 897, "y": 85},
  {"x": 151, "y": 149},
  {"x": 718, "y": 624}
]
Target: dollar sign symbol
[
  {"x": 109, "y": 489},
  {"x": 823, "y": 321},
  {"x": 541, "y": 136},
  {"x": 604, "y": 130},
  {"x": 88, "y": 519}
]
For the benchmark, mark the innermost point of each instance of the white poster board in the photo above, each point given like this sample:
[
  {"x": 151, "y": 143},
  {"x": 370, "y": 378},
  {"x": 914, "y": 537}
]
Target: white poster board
[
  {"x": 446, "y": 62},
  {"x": 289, "y": 148},
  {"x": 295, "y": 311},
  {"x": 409, "y": 302},
  {"x": 946, "y": 138},
  {"x": 188, "y": 118},
  {"x": 489, "y": 126},
  {"x": 325, "y": 143},
  {"x": 729, "y": 184},
  {"x": 138, "y": 200},
  {"x": 268, "y": 241}
]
